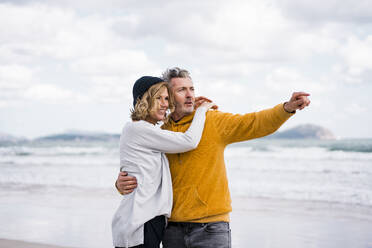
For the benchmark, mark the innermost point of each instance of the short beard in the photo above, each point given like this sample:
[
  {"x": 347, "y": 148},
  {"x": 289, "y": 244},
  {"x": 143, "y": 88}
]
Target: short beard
[{"x": 184, "y": 111}]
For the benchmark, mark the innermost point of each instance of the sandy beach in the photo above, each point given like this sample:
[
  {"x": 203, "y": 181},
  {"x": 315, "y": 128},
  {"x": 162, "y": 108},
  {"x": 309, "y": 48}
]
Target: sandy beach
[
  {"x": 6, "y": 243},
  {"x": 72, "y": 217}
]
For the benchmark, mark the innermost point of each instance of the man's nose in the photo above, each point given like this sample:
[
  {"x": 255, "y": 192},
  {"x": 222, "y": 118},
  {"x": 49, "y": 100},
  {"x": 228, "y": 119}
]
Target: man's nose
[{"x": 189, "y": 93}]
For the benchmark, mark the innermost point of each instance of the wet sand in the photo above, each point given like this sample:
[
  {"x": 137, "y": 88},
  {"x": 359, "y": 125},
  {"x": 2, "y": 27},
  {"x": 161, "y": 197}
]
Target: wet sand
[
  {"x": 6, "y": 243},
  {"x": 72, "y": 217}
]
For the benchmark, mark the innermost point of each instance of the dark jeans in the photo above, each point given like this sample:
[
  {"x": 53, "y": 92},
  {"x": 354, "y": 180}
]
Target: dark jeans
[
  {"x": 197, "y": 235},
  {"x": 154, "y": 232}
]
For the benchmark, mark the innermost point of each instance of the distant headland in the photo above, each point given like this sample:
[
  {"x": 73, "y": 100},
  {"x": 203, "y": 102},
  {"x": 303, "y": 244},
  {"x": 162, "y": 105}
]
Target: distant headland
[
  {"x": 305, "y": 131},
  {"x": 80, "y": 136}
]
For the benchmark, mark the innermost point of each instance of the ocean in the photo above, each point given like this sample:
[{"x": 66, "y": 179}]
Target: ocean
[{"x": 334, "y": 171}]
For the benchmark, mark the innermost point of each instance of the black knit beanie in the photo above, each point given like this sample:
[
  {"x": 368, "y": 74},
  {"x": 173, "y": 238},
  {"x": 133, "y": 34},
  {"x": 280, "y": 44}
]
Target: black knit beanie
[{"x": 142, "y": 85}]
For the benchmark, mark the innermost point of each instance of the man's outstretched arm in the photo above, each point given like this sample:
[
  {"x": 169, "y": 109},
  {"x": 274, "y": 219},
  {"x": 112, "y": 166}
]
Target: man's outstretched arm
[
  {"x": 125, "y": 184},
  {"x": 236, "y": 127}
]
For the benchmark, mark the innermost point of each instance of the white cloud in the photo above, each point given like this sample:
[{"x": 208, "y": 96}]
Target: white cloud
[
  {"x": 112, "y": 75},
  {"x": 14, "y": 79},
  {"x": 232, "y": 31},
  {"x": 330, "y": 10},
  {"x": 284, "y": 79},
  {"x": 59, "y": 39},
  {"x": 357, "y": 54},
  {"x": 53, "y": 33},
  {"x": 355, "y": 65},
  {"x": 14, "y": 76},
  {"x": 343, "y": 74},
  {"x": 119, "y": 62},
  {"x": 49, "y": 93},
  {"x": 355, "y": 109}
]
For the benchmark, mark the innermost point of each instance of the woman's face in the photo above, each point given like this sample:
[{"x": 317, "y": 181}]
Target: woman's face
[{"x": 160, "y": 107}]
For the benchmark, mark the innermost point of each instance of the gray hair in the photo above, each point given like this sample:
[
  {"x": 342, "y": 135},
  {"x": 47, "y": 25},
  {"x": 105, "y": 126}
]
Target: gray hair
[{"x": 175, "y": 72}]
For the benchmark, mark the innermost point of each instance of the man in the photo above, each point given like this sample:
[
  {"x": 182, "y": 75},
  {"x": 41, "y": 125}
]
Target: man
[{"x": 201, "y": 197}]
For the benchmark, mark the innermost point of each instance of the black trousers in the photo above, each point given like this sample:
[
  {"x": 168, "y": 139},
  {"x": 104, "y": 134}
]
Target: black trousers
[{"x": 153, "y": 233}]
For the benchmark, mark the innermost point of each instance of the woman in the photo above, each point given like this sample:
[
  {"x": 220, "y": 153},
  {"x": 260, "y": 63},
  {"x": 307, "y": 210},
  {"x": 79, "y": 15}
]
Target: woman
[{"x": 141, "y": 217}]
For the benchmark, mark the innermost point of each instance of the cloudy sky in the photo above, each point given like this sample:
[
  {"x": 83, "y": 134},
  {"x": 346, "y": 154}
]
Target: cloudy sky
[{"x": 72, "y": 64}]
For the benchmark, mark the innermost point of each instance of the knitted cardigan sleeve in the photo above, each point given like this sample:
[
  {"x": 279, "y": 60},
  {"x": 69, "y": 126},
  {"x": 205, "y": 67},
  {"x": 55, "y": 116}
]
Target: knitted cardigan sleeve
[
  {"x": 157, "y": 139},
  {"x": 236, "y": 127}
]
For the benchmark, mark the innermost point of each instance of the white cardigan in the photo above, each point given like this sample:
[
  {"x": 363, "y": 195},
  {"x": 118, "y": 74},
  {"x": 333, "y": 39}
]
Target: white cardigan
[{"x": 142, "y": 154}]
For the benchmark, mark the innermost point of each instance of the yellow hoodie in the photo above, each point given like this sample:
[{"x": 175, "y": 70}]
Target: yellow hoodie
[{"x": 200, "y": 187}]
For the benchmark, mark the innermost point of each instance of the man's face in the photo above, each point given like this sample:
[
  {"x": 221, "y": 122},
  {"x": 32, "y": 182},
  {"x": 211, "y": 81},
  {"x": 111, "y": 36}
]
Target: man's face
[{"x": 184, "y": 97}]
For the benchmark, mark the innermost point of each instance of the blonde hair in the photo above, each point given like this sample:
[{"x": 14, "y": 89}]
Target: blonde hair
[{"x": 147, "y": 103}]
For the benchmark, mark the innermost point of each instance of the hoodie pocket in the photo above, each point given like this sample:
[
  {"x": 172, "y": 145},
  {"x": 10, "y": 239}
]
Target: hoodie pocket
[{"x": 187, "y": 204}]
